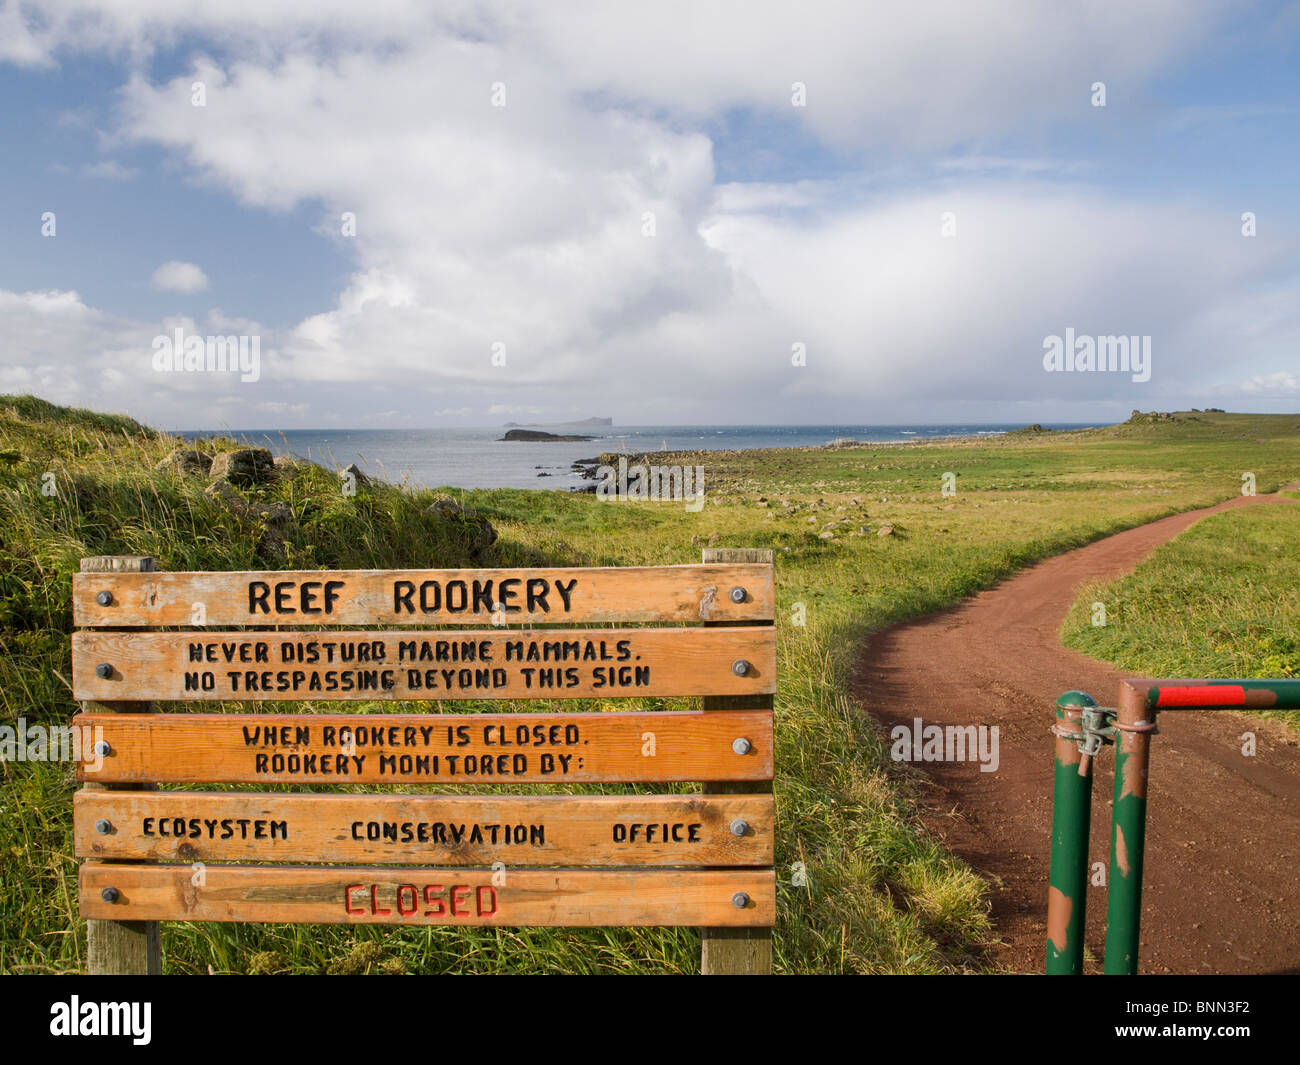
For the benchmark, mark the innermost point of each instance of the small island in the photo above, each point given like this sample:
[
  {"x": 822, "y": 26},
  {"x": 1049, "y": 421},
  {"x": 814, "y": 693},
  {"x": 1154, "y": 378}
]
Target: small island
[{"x": 537, "y": 434}]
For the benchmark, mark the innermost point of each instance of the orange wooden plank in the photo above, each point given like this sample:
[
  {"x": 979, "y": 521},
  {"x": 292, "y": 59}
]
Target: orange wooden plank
[
  {"x": 360, "y": 895},
  {"x": 630, "y": 830},
  {"x": 415, "y": 597},
  {"x": 422, "y": 665},
  {"x": 428, "y": 748}
]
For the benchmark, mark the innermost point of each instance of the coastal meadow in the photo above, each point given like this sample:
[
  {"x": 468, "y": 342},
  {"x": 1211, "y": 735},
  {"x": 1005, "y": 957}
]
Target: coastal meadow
[{"x": 864, "y": 535}]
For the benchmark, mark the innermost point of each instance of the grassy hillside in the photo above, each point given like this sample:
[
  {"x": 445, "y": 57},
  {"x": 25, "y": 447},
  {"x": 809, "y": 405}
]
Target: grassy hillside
[
  {"x": 1220, "y": 600},
  {"x": 881, "y": 896}
]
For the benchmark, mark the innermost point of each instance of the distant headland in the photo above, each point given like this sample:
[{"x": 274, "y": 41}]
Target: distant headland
[{"x": 535, "y": 431}]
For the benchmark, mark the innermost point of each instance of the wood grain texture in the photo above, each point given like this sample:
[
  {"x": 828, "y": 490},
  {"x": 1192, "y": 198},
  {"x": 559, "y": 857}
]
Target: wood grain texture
[
  {"x": 614, "y": 830},
  {"x": 128, "y": 948},
  {"x": 422, "y": 665},
  {"x": 358, "y": 895},
  {"x": 316, "y": 748},
  {"x": 730, "y": 951},
  {"x": 378, "y": 597}
]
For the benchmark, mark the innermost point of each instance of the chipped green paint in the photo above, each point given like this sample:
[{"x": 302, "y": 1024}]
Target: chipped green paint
[
  {"x": 1071, "y": 823},
  {"x": 1127, "y": 851},
  {"x": 1128, "y": 830}
]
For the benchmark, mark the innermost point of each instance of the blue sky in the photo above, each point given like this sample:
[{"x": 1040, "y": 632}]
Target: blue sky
[{"x": 649, "y": 226}]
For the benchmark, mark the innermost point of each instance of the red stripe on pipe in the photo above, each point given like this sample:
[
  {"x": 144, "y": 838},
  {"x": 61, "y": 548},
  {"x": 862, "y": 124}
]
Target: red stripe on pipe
[{"x": 1203, "y": 695}]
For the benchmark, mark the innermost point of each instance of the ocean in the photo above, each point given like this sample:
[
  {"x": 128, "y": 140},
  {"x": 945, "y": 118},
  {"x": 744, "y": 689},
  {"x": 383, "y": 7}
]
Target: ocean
[{"x": 478, "y": 458}]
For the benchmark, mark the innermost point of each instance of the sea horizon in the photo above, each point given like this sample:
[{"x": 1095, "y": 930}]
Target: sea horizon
[{"x": 477, "y": 457}]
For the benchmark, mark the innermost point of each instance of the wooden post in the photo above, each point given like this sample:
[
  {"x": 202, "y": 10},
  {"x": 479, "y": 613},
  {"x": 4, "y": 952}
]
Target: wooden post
[
  {"x": 736, "y": 951},
  {"x": 128, "y": 948}
]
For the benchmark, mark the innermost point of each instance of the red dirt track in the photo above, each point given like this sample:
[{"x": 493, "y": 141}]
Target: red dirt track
[{"x": 1222, "y": 880}]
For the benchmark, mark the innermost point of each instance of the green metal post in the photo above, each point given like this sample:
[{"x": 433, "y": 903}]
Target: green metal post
[
  {"x": 1134, "y": 724},
  {"x": 1071, "y": 821}
]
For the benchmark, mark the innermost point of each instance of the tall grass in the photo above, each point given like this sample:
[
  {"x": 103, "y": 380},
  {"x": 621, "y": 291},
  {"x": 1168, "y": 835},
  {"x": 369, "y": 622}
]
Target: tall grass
[{"x": 863, "y": 887}]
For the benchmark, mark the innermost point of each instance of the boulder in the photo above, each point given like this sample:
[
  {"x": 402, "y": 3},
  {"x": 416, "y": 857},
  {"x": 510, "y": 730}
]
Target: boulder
[
  {"x": 358, "y": 478},
  {"x": 186, "y": 460},
  {"x": 444, "y": 507},
  {"x": 480, "y": 531},
  {"x": 288, "y": 466},
  {"x": 277, "y": 517},
  {"x": 244, "y": 468}
]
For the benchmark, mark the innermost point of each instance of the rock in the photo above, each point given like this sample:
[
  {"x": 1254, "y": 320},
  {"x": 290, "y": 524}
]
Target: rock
[
  {"x": 444, "y": 507},
  {"x": 885, "y": 530},
  {"x": 186, "y": 460},
  {"x": 278, "y": 517},
  {"x": 827, "y": 535},
  {"x": 271, "y": 513},
  {"x": 537, "y": 434},
  {"x": 359, "y": 478},
  {"x": 479, "y": 530},
  {"x": 244, "y": 468},
  {"x": 288, "y": 466}
]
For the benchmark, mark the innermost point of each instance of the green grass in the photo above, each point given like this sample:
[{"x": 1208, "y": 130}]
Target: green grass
[
  {"x": 1220, "y": 600},
  {"x": 881, "y": 894}
]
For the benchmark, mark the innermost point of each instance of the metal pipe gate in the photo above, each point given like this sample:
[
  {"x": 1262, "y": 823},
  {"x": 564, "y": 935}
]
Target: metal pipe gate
[{"x": 1082, "y": 728}]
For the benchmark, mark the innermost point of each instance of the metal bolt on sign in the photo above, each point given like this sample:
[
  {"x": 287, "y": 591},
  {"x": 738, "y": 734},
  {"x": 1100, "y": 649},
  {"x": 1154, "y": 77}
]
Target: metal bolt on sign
[{"x": 728, "y": 891}]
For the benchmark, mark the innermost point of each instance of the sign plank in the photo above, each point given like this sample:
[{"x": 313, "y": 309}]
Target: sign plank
[
  {"x": 425, "y": 597},
  {"x": 426, "y": 829},
  {"x": 427, "y": 748},
  {"x": 360, "y": 895},
  {"x": 423, "y": 664}
]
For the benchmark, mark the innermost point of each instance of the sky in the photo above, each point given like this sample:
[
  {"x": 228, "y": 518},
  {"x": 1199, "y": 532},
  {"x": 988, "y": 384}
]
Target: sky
[{"x": 416, "y": 215}]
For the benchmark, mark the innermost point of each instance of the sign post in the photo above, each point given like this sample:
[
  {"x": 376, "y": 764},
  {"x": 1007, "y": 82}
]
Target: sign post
[
  {"x": 121, "y": 947},
  {"x": 703, "y": 860},
  {"x": 738, "y": 951}
]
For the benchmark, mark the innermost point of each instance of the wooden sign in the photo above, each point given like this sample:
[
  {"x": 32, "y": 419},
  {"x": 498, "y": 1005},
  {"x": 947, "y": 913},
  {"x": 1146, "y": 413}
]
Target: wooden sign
[
  {"x": 363, "y": 895},
  {"x": 731, "y": 830},
  {"x": 423, "y": 664},
  {"x": 425, "y": 597},
  {"x": 430, "y": 858},
  {"x": 428, "y": 748}
]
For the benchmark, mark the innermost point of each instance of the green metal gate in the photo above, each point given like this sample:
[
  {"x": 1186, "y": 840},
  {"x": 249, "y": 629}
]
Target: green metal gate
[{"x": 1082, "y": 728}]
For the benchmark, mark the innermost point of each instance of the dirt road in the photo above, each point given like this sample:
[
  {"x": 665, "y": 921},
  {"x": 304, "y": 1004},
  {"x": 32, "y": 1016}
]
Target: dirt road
[{"x": 1222, "y": 883}]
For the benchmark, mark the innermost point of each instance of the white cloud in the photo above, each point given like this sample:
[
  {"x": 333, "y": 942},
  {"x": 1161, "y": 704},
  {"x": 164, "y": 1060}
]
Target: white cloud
[
  {"x": 179, "y": 277},
  {"x": 1274, "y": 384},
  {"x": 523, "y": 226},
  {"x": 109, "y": 170}
]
